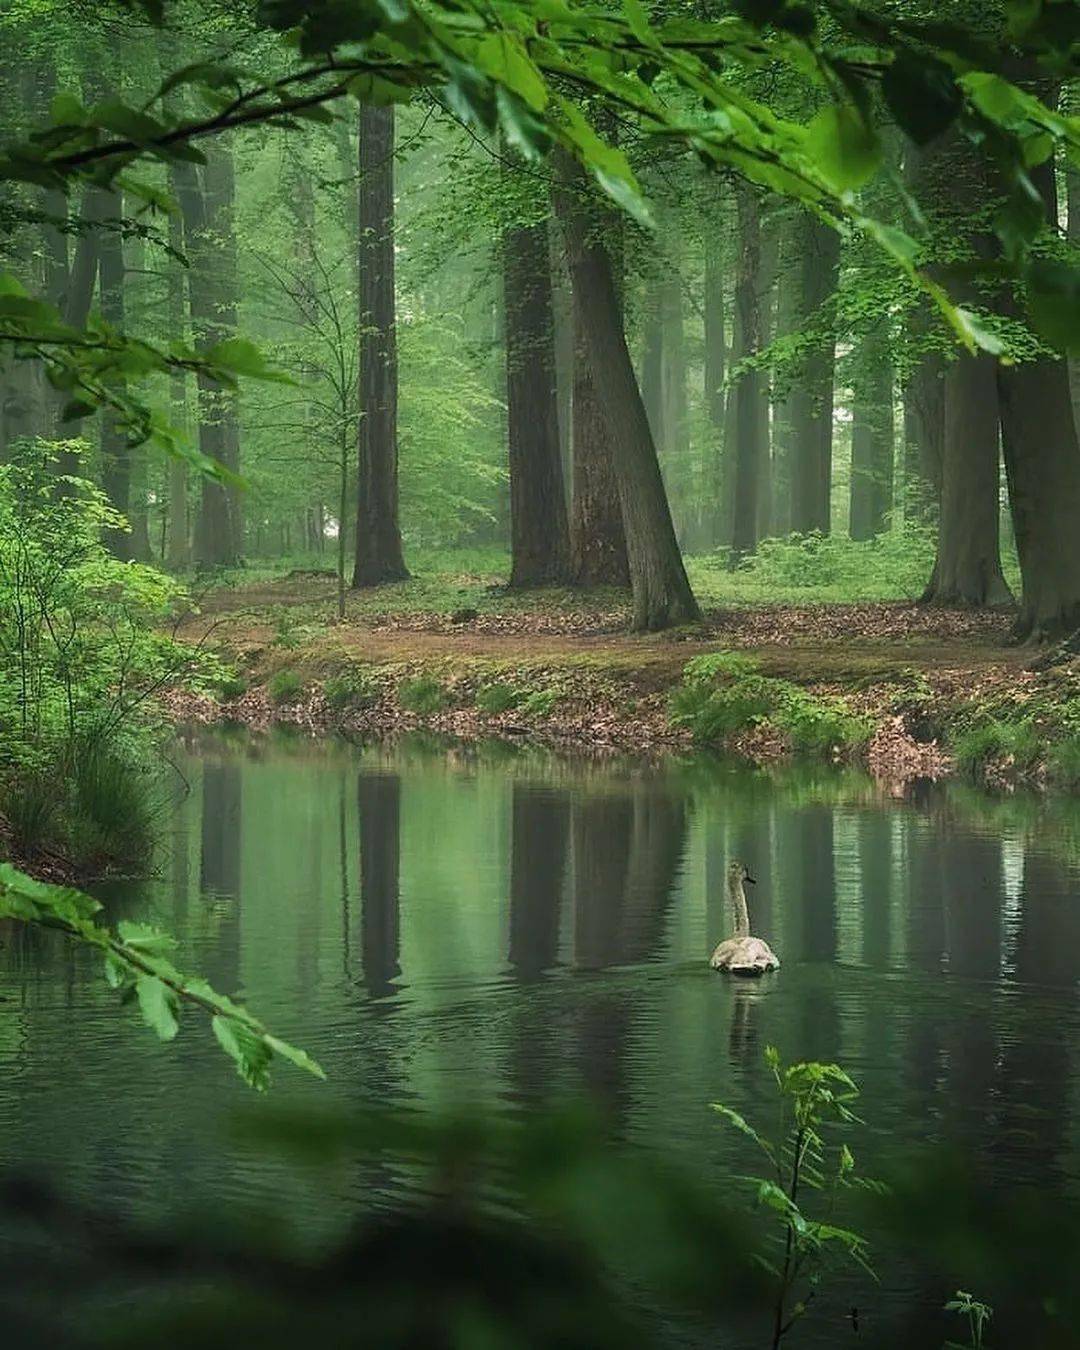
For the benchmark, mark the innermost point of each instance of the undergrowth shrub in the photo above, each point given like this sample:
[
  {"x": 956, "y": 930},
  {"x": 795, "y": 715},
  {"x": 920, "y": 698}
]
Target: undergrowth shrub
[
  {"x": 423, "y": 695},
  {"x": 497, "y": 698},
  {"x": 541, "y": 703},
  {"x": 285, "y": 686},
  {"x": 351, "y": 691},
  {"x": 1063, "y": 764},
  {"x": 896, "y": 562},
  {"x": 30, "y": 806},
  {"x": 112, "y": 812},
  {"x": 997, "y": 741},
  {"x": 724, "y": 693}
]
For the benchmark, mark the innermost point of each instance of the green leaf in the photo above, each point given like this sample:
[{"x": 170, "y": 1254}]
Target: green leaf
[
  {"x": 294, "y": 1055},
  {"x": 526, "y": 133},
  {"x": 1053, "y": 301},
  {"x": 144, "y": 938},
  {"x": 249, "y": 1052},
  {"x": 158, "y": 1005},
  {"x": 380, "y": 93},
  {"x": 502, "y": 56},
  {"x": 66, "y": 110},
  {"x": 843, "y": 146}
]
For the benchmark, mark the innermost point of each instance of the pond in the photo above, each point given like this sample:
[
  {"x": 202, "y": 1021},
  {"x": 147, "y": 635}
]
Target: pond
[{"x": 441, "y": 924}]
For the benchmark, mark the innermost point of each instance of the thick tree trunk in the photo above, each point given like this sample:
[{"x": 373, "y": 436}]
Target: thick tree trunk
[
  {"x": 748, "y": 393},
  {"x": 598, "y": 541},
  {"x": 539, "y": 530},
  {"x": 812, "y": 395},
  {"x": 1042, "y": 464},
  {"x": 378, "y": 536},
  {"x": 661, "y": 591},
  {"x": 651, "y": 376},
  {"x": 115, "y": 450},
  {"x": 872, "y": 442},
  {"x": 787, "y": 321},
  {"x": 968, "y": 566}
]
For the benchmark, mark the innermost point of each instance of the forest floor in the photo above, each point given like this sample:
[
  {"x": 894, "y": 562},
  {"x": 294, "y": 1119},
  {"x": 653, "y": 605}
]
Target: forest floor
[{"x": 462, "y": 656}]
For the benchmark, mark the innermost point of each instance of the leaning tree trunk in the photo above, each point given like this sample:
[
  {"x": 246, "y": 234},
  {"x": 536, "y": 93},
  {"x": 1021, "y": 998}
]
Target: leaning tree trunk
[
  {"x": 812, "y": 396},
  {"x": 1042, "y": 464},
  {"x": 378, "y": 537},
  {"x": 661, "y": 591},
  {"x": 539, "y": 530},
  {"x": 115, "y": 449},
  {"x": 748, "y": 393}
]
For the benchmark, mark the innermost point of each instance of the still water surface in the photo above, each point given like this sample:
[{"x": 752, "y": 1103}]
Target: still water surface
[{"x": 440, "y": 925}]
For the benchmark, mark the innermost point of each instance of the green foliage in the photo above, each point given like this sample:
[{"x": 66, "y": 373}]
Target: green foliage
[
  {"x": 540, "y": 703},
  {"x": 112, "y": 808},
  {"x": 894, "y": 563},
  {"x": 723, "y": 693},
  {"x": 497, "y": 698},
  {"x": 230, "y": 687},
  {"x": 978, "y": 1314},
  {"x": 136, "y": 965},
  {"x": 1063, "y": 763},
  {"x": 423, "y": 695},
  {"x": 284, "y": 686},
  {"x": 1015, "y": 744},
  {"x": 353, "y": 690},
  {"x": 30, "y": 806},
  {"x": 815, "y": 1104}
]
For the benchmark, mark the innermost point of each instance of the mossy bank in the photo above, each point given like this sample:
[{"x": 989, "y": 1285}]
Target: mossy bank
[{"x": 909, "y": 692}]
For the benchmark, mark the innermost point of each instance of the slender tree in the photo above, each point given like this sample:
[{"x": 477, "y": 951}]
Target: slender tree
[
  {"x": 812, "y": 394},
  {"x": 378, "y": 555},
  {"x": 747, "y": 393},
  {"x": 872, "y": 434},
  {"x": 115, "y": 450}
]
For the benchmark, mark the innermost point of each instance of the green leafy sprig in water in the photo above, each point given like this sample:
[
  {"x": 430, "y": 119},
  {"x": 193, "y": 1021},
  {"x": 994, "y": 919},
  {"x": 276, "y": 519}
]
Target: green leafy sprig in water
[
  {"x": 813, "y": 1099},
  {"x": 138, "y": 967}
]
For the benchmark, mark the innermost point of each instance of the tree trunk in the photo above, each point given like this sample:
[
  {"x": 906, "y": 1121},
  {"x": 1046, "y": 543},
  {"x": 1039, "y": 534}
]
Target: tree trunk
[
  {"x": 968, "y": 566},
  {"x": 872, "y": 441},
  {"x": 924, "y": 437},
  {"x": 715, "y": 374},
  {"x": 652, "y": 359},
  {"x": 748, "y": 391},
  {"x": 661, "y": 591},
  {"x": 539, "y": 531},
  {"x": 378, "y": 537},
  {"x": 1042, "y": 464},
  {"x": 115, "y": 450},
  {"x": 177, "y": 545},
  {"x": 812, "y": 395},
  {"x": 207, "y": 215}
]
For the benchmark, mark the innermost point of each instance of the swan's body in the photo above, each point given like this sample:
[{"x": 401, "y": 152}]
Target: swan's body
[{"x": 742, "y": 954}]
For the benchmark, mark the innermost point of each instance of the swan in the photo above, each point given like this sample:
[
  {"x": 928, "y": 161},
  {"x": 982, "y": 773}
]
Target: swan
[{"x": 742, "y": 954}]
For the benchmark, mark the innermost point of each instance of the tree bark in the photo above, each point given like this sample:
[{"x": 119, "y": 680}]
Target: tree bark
[
  {"x": 715, "y": 374},
  {"x": 1042, "y": 464},
  {"x": 968, "y": 566},
  {"x": 924, "y": 437},
  {"x": 661, "y": 591},
  {"x": 812, "y": 395},
  {"x": 178, "y": 542},
  {"x": 115, "y": 450},
  {"x": 378, "y": 555},
  {"x": 747, "y": 393},
  {"x": 206, "y": 207},
  {"x": 872, "y": 441},
  {"x": 539, "y": 529}
]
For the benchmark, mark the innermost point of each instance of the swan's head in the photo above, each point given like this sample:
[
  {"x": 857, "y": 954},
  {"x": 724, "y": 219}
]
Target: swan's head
[{"x": 737, "y": 873}]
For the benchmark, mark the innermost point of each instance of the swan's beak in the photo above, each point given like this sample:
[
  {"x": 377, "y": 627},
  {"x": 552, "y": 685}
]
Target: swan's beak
[{"x": 750, "y": 879}]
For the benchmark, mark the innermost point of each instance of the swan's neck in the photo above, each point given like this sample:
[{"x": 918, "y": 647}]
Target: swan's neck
[{"x": 737, "y": 894}]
